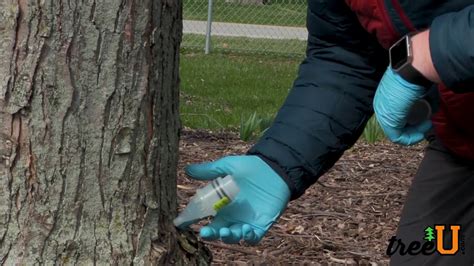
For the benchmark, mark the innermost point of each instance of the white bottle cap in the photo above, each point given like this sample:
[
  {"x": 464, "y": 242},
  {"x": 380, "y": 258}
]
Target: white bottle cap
[{"x": 227, "y": 187}]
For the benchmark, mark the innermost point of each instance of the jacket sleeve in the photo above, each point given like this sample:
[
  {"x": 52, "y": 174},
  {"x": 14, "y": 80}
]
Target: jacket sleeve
[
  {"x": 331, "y": 99},
  {"x": 452, "y": 49}
]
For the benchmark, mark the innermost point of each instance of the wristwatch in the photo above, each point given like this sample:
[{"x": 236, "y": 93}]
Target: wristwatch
[{"x": 401, "y": 59}]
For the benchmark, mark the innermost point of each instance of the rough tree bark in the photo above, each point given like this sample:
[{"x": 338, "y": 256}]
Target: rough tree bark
[{"x": 89, "y": 133}]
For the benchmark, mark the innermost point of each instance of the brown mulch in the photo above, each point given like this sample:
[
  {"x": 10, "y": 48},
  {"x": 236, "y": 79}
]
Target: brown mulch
[{"x": 344, "y": 219}]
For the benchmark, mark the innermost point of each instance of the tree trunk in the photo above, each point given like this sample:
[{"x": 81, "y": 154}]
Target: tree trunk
[{"x": 89, "y": 133}]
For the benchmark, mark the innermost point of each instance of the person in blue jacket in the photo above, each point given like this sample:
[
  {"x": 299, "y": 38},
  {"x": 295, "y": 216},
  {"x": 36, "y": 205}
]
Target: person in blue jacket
[{"x": 346, "y": 76}]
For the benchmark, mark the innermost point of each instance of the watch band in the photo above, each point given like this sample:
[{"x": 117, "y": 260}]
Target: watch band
[{"x": 412, "y": 75}]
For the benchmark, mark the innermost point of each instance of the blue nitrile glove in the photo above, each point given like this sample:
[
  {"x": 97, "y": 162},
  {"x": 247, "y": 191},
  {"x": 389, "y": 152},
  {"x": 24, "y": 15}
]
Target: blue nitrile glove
[
  {"x": 262, "y": 198},
  {"x": 393, "y": 99}
]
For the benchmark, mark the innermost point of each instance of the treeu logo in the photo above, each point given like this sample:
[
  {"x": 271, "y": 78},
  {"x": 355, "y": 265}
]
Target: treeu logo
[{"x": 434, "y": 242}]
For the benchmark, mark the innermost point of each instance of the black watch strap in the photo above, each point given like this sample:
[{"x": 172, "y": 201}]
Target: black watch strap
[{"x": 410, "y": 74}]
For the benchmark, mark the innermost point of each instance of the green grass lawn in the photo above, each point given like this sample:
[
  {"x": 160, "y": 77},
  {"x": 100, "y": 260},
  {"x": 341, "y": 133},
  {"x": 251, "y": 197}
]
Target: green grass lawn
[
  {"x": 278, "y": 12},
  {"x": 217, "y": 90},
  {"x": 246, "y": 45},
  {"x": 220, "y": 91}
]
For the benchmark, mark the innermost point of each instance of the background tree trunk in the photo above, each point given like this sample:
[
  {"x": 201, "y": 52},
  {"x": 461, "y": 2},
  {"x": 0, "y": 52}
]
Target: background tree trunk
[{"x": 89, "y": 133}]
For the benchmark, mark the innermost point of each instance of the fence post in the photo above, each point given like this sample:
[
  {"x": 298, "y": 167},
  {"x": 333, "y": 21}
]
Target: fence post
[{"x": 207, "y": 49}]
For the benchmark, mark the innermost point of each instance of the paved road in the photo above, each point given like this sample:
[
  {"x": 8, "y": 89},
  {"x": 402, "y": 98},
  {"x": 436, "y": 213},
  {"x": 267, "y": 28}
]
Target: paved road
[{"x": 246, "y": 30}]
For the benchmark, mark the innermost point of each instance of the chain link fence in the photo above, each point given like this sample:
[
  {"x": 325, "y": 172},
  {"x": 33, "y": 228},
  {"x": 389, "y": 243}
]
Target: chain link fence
[{"x": 256, "y": 26}]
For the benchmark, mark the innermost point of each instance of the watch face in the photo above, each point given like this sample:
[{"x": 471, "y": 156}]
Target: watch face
[{"x": 399, "y": 54}]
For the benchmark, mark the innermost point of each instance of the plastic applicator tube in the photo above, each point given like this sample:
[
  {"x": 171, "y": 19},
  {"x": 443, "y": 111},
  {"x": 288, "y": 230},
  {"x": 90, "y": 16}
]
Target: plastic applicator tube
[{"x": 208, "y": 201}]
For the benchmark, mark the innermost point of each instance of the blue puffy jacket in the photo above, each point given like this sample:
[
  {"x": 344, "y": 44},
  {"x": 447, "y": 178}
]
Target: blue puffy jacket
[{"x": 331, "y": 100}]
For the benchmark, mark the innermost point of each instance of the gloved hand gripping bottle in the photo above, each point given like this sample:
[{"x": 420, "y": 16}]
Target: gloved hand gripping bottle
[{"x": 208, "y": 201}]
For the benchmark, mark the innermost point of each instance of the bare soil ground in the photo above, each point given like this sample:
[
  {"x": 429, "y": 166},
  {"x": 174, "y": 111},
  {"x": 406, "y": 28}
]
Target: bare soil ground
[{"x": 346, "y": 218}]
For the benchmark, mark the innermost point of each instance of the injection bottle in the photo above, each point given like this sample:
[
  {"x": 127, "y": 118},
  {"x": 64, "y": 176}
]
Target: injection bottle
[
  {"x": 419, "y": 112},
  {"x": 208, "y": 201}
]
